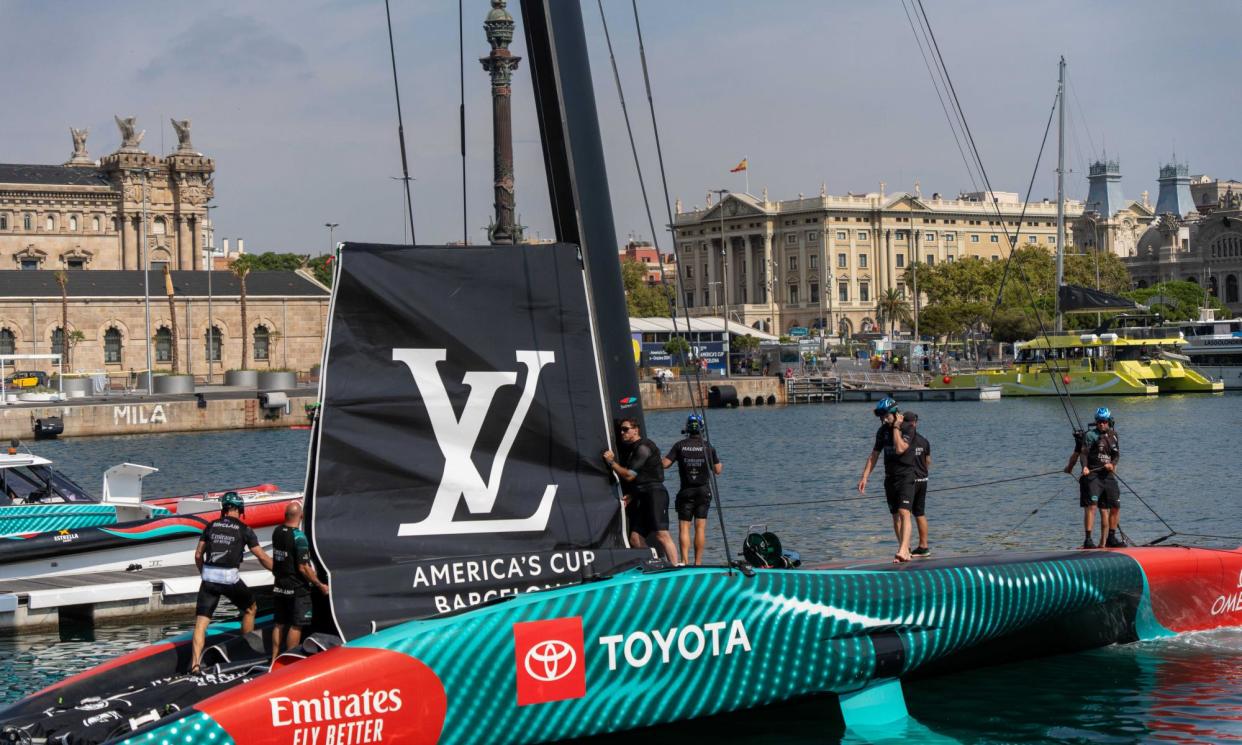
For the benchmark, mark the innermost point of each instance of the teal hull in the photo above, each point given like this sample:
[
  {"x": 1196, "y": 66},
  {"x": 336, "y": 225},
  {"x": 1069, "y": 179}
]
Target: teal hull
[
  {"x": 21, "y": 521},
  {"x": 626, "y": 652}
]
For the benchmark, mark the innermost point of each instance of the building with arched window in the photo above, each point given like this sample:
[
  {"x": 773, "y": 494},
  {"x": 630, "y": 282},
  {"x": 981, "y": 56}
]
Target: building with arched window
[
  {"x": 44, "y": 209},
  {"x": 163, "y": 344},
  {"x": 1204, "y": 249}
]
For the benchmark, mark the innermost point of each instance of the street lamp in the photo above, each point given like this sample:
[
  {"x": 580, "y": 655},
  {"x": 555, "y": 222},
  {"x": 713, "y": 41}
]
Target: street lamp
[
  {"x": 331, "y": 226},
  {"x": 146, "y": 279},
  {"x": 724, "y": 276}
]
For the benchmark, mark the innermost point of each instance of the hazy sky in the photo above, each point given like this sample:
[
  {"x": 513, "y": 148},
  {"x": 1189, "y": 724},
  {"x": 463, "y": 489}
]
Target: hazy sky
[{"x": 294, "y": 100}]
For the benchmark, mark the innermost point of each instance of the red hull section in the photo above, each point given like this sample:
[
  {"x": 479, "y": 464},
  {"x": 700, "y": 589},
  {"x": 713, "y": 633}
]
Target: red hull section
[{"x": 1192, "y": 589}]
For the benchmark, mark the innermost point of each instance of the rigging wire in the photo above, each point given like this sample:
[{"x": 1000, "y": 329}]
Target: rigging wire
[
  {"x": 1032, "y": 513},
  {"x": 461, "y": 74},
  {"x": 697, "y": 386},
  {"x": 405, "y": 166},
  {"x": 929, "y": 491}
]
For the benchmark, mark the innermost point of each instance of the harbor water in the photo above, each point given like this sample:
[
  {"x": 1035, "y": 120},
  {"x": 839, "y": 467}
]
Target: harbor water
[{"x": 794, "y": 469}]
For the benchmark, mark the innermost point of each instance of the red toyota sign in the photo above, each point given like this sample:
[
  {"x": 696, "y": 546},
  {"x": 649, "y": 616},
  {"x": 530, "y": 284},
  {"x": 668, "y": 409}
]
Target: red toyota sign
[{"x": 551, "y": 665}]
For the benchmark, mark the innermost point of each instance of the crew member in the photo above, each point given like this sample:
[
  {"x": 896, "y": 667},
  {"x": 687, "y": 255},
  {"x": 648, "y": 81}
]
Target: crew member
[
  {"x": 693, "y": 456},
  {"x": 922, "y": 464},
  {"x": 642, "y": 484},
  {"x": 295, "y": 575},
  {"x": 1085, "y": 499},
  {"x": 218, "y": 555},
  {"x": 893, "y": 439},
  {"x": 1101, "y": 450}
]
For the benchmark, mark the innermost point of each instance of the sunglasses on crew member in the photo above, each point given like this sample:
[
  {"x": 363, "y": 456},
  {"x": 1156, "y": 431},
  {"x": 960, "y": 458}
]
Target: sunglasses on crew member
[{"x": 626, "y": 429}]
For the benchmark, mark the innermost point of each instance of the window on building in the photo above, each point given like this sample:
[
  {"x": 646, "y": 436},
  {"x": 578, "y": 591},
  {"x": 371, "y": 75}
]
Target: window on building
[
  {"x": 843, "y": 260},
  {"x": 843, "y": 292},
  {"x": 95, "y": 224},
  {"x": 1052, "y": 239},
  {"x": 73, "y": 223},
  {"x": 950, "y": 237},
  {"x": 163, "y": 344},
  {"x": 931, "y": 260},
  {"x": 262, "y": 342},
  {"x": 27, "y": 221},
  {"x": 929, "y": 237},
  {"x": 158, "y": 266},
  {"x": 995, "y": 257},
  {"x": 793, "y": 294},
  {"x": 901, "y": 260},
  {"x": 994, "y": 238},
  {"x": 791, "y": 239},
  {"x": 707, "y": 298},
  {"x": 812, "y": 237},
  {"x": 841, "y": 235},
  {"x": 864, "y": 292},
  {"x": 901, "y": 235},
  {"x": 862, "y": 235},
  {"x": 8, "y": 342},
  {"x": 689, "y": 299},
  {"x": 949, "y": 259},
  {"x": 4, "y": 222},
  {"x": 1032, "y": 239},
  {"x": 1013, "y": 240},
  {"x": 974, "y": 238},
  {"x": 159, "y": 227},
  {"x": 689, "y": 272},
  {"x": 75, "y": 263},
  {"x": 29, "y": 264},
  {"x": 793, "y": 263},
  {"x": 862, "y": 261},
  {"x": 112, "y": 346},
  {"x": 213, "y": 341},
  {"x": 813, "y": 261},
  {"x": 50, "y": 223},
  {"x": 814, "y": 292}
]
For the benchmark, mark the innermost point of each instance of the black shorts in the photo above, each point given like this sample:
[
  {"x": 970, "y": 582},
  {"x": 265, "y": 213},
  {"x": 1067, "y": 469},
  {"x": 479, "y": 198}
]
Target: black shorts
[
  {"x": 647, "y": 511},
  {"x": 1084, "y": 492},
  {"x": 920, "y": 497},
  {"x": 1104, "y": 490},
  {"x": 693, "y": 503},
  {"x": 292, "y": 607},
  {"x": 899, "y": 491},
  {"x": 209, "y": 597}
]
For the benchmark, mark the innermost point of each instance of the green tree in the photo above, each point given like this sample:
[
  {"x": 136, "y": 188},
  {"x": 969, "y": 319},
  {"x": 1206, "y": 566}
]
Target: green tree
[
  {"x": 1014, "y": 324},
  {"x": 1177, "y": 300},
  {"x": 892, "y": 309},
  {"x": 241, "y": 267},
  {"x": 321, "y": 269},
  {"x": 641, "y": 299},
  {"x": 62, "y": 279},
  {"x": 677, "y": 347},
  {"x": 745, "y": 344},
  {"x": 1080, "y": 270}
]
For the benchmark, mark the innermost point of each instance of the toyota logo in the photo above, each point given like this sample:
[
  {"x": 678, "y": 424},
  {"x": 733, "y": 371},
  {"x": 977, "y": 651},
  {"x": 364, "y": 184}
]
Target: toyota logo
[{"x": 550, "y": 660}]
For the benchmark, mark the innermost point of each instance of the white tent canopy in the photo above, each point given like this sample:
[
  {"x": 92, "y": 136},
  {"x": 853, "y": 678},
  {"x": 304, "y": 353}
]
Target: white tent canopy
[{"x": 698, "y": 324}]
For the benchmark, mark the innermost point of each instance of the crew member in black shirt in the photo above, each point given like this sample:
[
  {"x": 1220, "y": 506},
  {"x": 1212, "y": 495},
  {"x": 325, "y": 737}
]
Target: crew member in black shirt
[
  {"x": 642, "y": 484},
  {"x": 693, "y": 456},
  {"x": 922, "y": 464},
  {"x": 893, "y": 439},
  {"x": 218, "y": 555},
  {"x": 1101, "y": 450},
  {"x": 295, "y": 575}
]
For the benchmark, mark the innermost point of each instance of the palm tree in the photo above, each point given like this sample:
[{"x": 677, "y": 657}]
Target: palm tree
[
  {"x": 892, "y": 308},
  {"x": 240, "y": 267},
  {"x": 62, "y": 279}
]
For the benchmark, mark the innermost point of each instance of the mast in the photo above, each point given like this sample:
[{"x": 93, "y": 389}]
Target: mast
[
  {"x": 1060, "y": 192},
  {"x": 578, "y": 182}
]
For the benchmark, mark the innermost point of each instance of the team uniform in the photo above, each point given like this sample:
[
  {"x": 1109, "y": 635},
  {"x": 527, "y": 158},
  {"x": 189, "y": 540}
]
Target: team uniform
[
  {"x": 291, "y": 591},
  {"x": 227, "y": 540},
  {"x": 1102, "y": 486},
  {"x": 695, "y": 458},
  {"x": 898, "y": 469},
  {"x": 647, "y": 511},
  {"x": 922, "y": 451}
]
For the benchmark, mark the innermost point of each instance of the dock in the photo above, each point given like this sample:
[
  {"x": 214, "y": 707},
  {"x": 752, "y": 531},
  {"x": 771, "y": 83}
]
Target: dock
[
  {"x": 84, "y": 598},
  {"x": 870, "y": 385}
]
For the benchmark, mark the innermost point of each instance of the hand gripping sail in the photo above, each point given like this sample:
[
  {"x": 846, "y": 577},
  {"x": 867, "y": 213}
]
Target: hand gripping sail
[{"x": 456, "y": 458}]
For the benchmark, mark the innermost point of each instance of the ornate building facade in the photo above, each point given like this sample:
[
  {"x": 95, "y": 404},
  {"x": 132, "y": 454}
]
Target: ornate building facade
[
  {"x": 824, "y": 261},
  {"x": 87, "y": 214}
]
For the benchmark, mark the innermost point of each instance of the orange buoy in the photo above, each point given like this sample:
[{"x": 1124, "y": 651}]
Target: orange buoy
[
  {"x": 947, "y": 380},
  {"x": 1065, "y": 379}
]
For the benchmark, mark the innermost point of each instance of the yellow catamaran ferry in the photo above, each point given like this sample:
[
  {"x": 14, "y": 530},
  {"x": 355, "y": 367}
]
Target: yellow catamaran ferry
[{"x": 1116, "y": 360}]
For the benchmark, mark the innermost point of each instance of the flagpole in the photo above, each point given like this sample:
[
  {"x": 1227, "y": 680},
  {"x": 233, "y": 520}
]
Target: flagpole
[{"x": 747, "y": 159}]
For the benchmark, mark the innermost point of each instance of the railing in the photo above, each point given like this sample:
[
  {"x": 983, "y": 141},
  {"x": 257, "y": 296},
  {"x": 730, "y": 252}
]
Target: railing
[{"x": 876, "y": 380}]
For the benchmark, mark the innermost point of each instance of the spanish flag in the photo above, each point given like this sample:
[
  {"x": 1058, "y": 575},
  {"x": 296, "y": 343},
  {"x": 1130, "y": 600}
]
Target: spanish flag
[{"x": 740, "y": 167}]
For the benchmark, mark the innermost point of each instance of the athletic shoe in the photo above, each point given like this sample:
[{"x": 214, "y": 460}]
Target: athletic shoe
[
  {"x": 1114, "y": 542},
  {"x": 920, "y": 551},
  {"x": 1088, "y": 543}
]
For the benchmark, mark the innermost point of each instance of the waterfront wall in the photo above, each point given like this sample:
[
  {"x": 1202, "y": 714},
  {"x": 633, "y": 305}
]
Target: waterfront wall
[
  {"x": 676, "y": 395},
  {"x": 151, "y": 417}
]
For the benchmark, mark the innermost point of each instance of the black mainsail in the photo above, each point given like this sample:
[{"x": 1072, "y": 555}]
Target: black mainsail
[{"x": 456, "y": 455}]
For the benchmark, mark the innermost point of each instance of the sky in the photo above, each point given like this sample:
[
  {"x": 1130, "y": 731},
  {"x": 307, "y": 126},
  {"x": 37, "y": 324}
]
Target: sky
[{"x": 294, "y": 101}]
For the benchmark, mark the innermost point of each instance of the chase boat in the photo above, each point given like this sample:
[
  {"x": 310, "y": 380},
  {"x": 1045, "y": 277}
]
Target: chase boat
[{"x": 454, "y": 471}]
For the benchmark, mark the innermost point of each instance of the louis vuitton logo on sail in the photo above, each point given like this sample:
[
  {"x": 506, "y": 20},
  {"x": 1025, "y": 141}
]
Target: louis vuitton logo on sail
[{"x": 457, "y": 437}]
